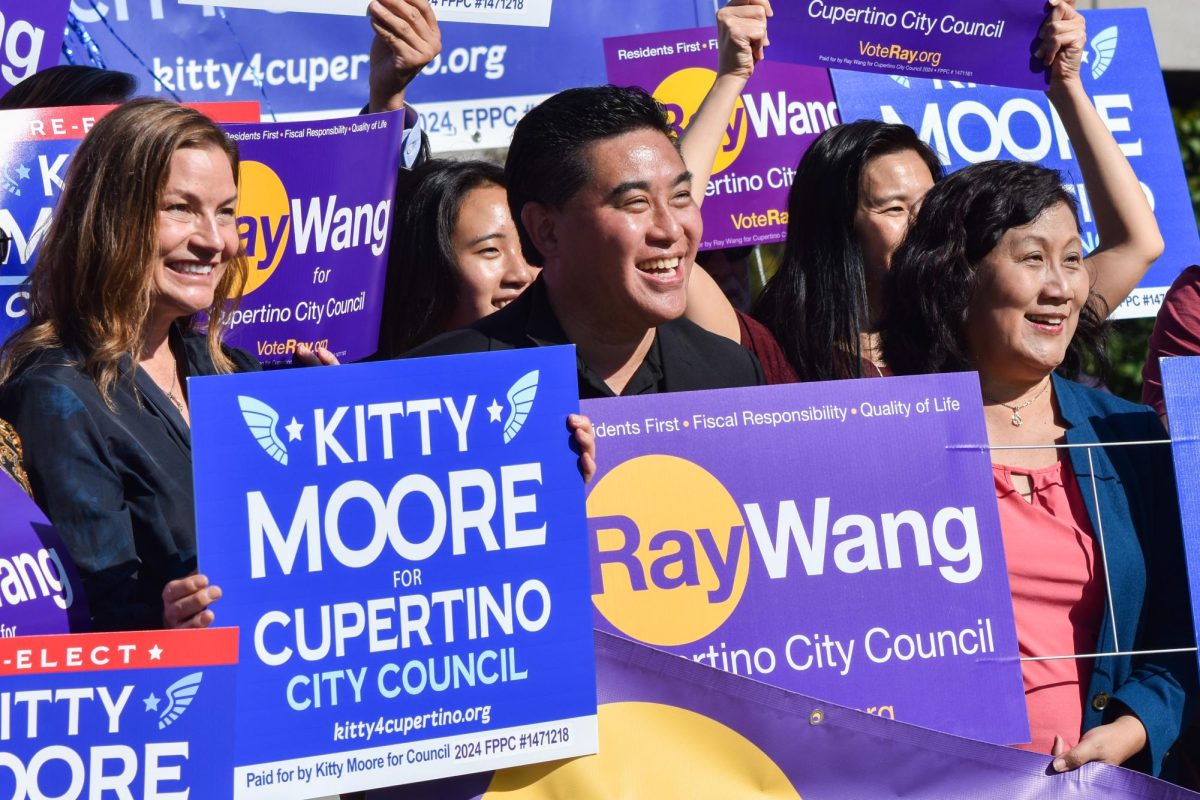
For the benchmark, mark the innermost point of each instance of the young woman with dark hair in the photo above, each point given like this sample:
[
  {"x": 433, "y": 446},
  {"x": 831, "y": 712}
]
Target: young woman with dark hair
[
  {"x": 455, "y": 254},
  {"x": 992, "y": 277}
]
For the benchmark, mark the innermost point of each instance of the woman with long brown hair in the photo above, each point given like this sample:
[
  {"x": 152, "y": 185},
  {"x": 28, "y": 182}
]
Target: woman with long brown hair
[{"x": 143, "y": 242}]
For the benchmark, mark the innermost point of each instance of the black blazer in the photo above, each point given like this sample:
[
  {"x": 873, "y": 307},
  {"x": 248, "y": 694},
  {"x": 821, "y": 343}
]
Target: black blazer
[
  {"x": 116, "y": 484},
  {"x": 684, "y": 358}
]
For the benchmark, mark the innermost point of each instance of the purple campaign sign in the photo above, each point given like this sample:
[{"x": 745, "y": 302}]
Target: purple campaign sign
[
  {"x": 674, "y": 729},
  {"x": 988, "y": 42},
  {"x": 315, "y": 216},
  {"x": 782, "y": 110},
  {"x": 31, "y": 34},
  {"x": 839, "y": 539},
  {"x": 40, "y": 590}
]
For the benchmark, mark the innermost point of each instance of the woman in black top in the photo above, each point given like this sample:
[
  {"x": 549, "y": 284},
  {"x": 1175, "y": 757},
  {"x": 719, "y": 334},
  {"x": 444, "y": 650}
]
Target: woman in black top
[{"x": 143, "y": 241}]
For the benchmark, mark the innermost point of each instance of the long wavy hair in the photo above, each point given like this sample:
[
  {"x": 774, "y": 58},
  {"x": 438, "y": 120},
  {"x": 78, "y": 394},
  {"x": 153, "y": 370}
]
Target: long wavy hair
[
  {"x": 935, "y": 272},
  {"x": 92, "y": 287},
  {"x": 816, "y": 304},
  {"x": 422, "y": 286}
]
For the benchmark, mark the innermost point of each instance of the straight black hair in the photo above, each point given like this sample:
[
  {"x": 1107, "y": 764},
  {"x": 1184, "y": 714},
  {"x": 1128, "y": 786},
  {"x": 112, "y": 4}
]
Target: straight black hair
[
  {"x": 546, "y": 162},
  {"x": 816, "y": 304}
]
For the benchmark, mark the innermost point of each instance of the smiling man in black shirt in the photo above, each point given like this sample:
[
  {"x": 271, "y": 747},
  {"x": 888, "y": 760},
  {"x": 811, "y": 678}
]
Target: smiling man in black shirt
[{"x": 603, "y": 204}]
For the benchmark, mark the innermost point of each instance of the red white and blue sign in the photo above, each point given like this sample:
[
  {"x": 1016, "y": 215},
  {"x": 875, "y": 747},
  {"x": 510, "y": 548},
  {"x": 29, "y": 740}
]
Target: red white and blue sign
[{"x": 120, "y": 715}]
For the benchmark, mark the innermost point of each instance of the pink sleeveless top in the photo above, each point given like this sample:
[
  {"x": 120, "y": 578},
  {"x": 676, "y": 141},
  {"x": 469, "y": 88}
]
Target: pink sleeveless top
[{"x": 1057, "y": 579}]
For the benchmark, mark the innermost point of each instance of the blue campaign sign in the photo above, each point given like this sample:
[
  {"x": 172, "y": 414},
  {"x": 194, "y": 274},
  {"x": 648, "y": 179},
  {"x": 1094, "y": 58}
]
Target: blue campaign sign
[
  {"x": 1181, "y": 389},
  {"x": 471, "y": 96},
  {"x": 404, "y": 548},
  {"x": 31, "y": 34},
  {"x": 118, "y": 715},
  {"x": 966, "y": 124}
]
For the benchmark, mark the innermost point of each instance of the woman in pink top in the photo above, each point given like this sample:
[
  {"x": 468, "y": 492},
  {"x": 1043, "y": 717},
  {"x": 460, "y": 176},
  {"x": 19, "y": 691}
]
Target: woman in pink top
[{"x": 992, "y": 277}]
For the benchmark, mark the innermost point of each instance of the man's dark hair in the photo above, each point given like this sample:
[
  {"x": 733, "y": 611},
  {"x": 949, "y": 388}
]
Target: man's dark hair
[
  {"x": 546, "y": 161},
  {"x": 70, "y": 85},
  {"x": 816, "y": 304},
  {"x": 935, "y": 271}
]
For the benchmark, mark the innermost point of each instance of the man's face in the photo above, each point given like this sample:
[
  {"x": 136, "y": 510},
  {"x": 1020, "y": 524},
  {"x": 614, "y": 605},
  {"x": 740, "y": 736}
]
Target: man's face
[{"x": 623, "y": 246}]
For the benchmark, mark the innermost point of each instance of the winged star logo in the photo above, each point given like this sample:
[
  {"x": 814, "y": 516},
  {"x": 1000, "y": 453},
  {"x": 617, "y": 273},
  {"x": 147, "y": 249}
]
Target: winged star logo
[
  {"x": 179, "y": 697},
  {"x": 262, "y": 420},
  {"x": 1104, "y": 46},
  {"x": 520, "y": 403}
]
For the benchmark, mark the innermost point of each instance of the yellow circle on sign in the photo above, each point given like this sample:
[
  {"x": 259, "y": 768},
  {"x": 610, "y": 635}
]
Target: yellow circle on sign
[
  {"x": 685, "y": 519},
  {"x": 656, "y": 751},
  {"x": 264, "y": 221},
  {"x": 681, "y": 93}
]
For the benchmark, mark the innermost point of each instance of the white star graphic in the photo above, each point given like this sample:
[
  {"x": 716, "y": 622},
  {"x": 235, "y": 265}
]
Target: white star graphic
[
  {"x": 156, "y": 653},
  {"x": 23, "y": 172},
  {"x": 294, "y": 430},
  {"x": 151, "y": 702},
  {"x": 494, "y": 411}
]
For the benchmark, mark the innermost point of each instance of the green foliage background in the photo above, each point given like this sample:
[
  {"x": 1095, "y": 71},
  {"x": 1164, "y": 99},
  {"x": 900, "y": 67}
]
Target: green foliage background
[{"x": 1127, "y": 347}]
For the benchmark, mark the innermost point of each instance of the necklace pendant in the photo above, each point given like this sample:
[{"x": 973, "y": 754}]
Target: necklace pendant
[{"x": 1016, "y": 419}]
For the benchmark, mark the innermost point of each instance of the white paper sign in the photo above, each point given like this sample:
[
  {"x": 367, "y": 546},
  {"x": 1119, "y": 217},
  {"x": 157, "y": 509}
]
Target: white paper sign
[{"x": 529, "y": 13}]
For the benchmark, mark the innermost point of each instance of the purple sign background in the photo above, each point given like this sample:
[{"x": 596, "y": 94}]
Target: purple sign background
[
  {"x": 689, "y": 731},
  {"x": 988, "y": 42},
  {"x": 315, "y": 216},
  {"x": 40, "y": 590},
  {"x": 839, "y": 539},
  {"x": 783, "y": 108},
  {"x": 31, "y": 34}
]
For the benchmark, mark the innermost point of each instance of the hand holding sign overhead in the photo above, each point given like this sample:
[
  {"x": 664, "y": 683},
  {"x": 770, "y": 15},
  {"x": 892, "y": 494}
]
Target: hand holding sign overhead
[
  {"x": 407, "y": 38},
  {"x": 1063, "y": 38},
  {"x": 742, "y": 32},
  {"x": 742, "y": 37}
]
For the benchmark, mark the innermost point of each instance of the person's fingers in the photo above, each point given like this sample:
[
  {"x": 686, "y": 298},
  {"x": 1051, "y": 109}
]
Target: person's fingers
[
  {"x": 1059, "y": 747},
  {"x": 1084, "y": 752},
  {"x": 201, "y": 620},
  {"x": 187, "y": 607},
  {"x": 326, "y": 358},
  {"x": 587, "y": 467},
  {"x": 403, "y": 23},
  {"x": 183, "y": 587},
  {"x": 179, "y": 612},
  {"x": 304, "y": 356},
  {"x": 764, "y": 4},
  {"x": 402, "y": 39},
  {"x": 1068, "y": 35},
  {"x": 431, "y": 18},
  {"x": 731, "y": 16}
]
